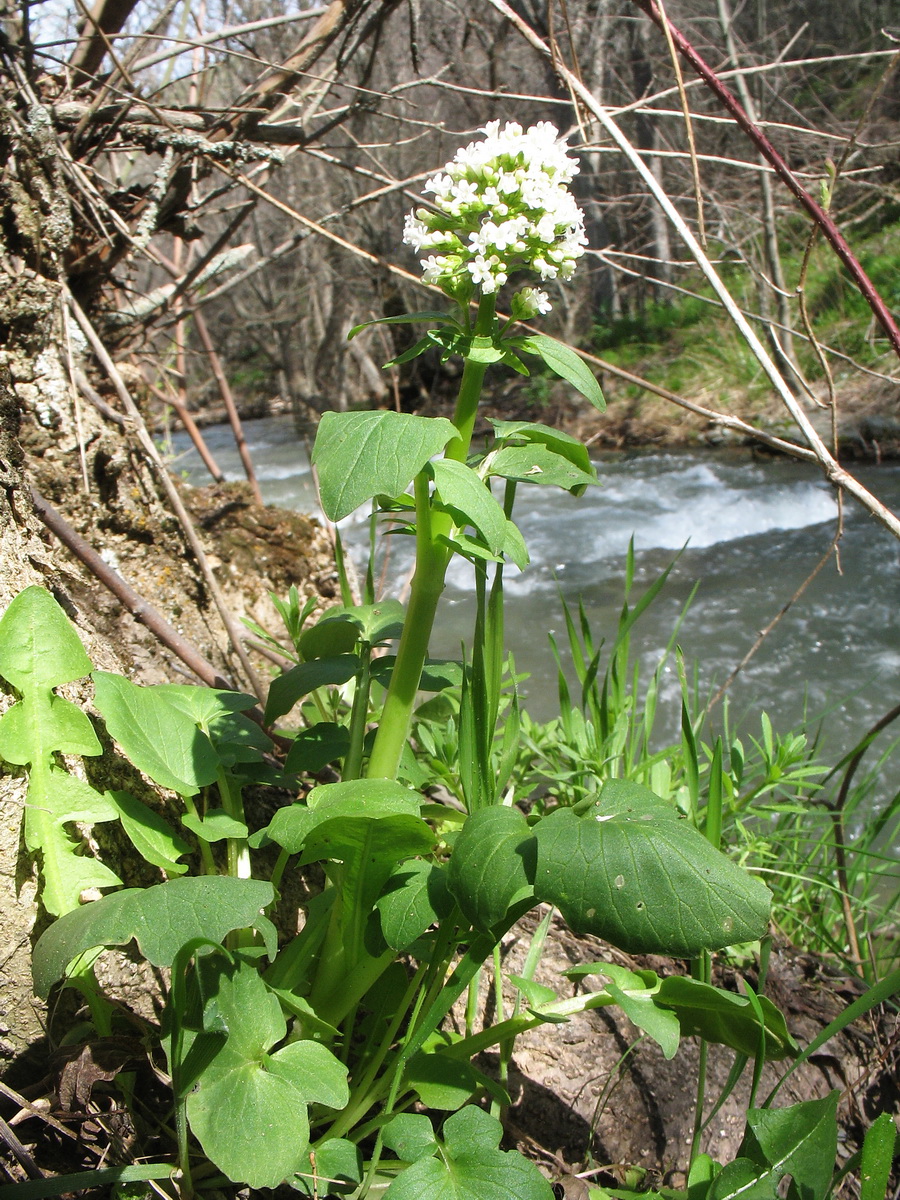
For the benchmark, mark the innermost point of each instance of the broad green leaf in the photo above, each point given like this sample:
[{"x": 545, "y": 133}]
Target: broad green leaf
[
  {"x": 285, "y": 690},
  {"x": 563, "y": 444},
  {"x": 630, "y": 871},
  {"x": 437, "y": 674},
  {"x": 471, "y": 1167},
  {"x": 150, "y": 834},
  {"x": 800, "y": 1141},
  {"x": 415, "y": 897},
  {"x": 38, "y": 646},
  {"x": 162, "y": 919},
  {"x": 410, "y": 1136},
  {"x": 313, "y": 1070},
  {"x": 316, "y": 747},
  {"x": 724, "y": 1017},
  {"x": 156, "y": 733},
  {"x": 362, "y": 455},
  {"x": 493, "y": 864},
  {"x": 338, "y": 1167},
  {"x": 204, "y": 705},
  {"x": 563, "y": 361},
  {"x": 358, "y": 799},
  {"x": 441, "y": 1082},
  {"x": 340, "y": 628},
  {"x": 404, "y": 319},
  {"x": 216, "y": 826},
  {"x": 541, "y": 465},
  {"x": 463, "y": 493},
  {"x": 743, "y": 1179}
]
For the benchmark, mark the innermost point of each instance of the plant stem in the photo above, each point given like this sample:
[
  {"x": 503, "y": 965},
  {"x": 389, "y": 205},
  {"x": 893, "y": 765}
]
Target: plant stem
[{"x": 432, "y": 556}]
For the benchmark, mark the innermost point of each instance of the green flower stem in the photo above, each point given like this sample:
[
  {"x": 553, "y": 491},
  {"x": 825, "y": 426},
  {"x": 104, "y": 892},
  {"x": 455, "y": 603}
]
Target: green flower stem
[{"x": 432, "y": 557}]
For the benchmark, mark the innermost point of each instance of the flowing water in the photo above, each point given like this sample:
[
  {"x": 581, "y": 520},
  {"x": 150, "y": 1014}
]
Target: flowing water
[{"x": 748, "y": 530}]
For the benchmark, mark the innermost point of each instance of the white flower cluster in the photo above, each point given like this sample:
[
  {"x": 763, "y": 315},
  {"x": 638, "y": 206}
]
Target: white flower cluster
[{"x": 503, "y": 205}]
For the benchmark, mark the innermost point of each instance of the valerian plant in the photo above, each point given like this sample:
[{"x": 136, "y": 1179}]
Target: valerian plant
[{"x": 297, "y": 1060}]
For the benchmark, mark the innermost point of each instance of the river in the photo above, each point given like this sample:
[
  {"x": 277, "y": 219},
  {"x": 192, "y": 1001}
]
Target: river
[{"x": 749, "y": 530}]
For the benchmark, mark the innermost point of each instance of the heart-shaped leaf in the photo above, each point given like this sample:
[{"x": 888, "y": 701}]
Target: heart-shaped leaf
[
  {"x": 366, "y": 454},
  {"x": 162, "y": 919}
]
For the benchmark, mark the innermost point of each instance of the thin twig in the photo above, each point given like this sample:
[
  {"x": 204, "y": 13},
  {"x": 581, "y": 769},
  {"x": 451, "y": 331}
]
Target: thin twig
[{"x": 142, "y": 610}]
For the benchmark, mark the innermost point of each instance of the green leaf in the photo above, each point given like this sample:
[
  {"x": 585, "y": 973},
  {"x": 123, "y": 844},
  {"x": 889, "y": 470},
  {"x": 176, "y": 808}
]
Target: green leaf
[
  {"x": 440, "y": 1082},
  {"x": 462, "y": 492},
  {"x": 55, "y": 799},
  {"x": 541, "y": 465},
  {"x": 249, "y": 1107},
  {"x": 493, "y": 864},
  {"x": 340, "y": 628},
  {"x": 563, "y": 444},
  {"x": 216, "y": 826},
  {"x": 358, "y": 799},
  {"x": 150, "y": 834},
  {"x": 314, "y": 1071},
  {"x": 404, "y": 319},
  {"x": 471, "y": 1167},
  {"x": 410, "y": 1136},
  {"x": 316, "y": 747},
  {"x": 285, "y": 690},
  {"x": 628, "y": 870},
  {"x": 726, "y": 1018},
  {"x": 877, "y": 1156},
  {"x": 564, "y": 361},
  {"x": 38, "y": 646},
  {"x": 637, "y": 994},
  {"x": 484, "y": 350},
  {"x": 800, "y": 1141},
  {"x": 362, "y": 455},
  {"x": 338, "y": 1166},
  {"x": 743, "y": 1179},
  {"x": 157, "y": 733},
  {"x": 162, "y": 919},
  {"x": 415, "y": 897}
]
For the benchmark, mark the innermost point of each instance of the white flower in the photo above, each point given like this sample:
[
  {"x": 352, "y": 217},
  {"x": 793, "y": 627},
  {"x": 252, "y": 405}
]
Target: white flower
[
  {"x": 529, "y": 302},
  {"x": 503, "y": 205}
]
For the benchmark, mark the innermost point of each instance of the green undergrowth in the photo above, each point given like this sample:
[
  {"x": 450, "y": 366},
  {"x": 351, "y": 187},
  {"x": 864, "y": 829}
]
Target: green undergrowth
[{"x": 686, "y": 344}]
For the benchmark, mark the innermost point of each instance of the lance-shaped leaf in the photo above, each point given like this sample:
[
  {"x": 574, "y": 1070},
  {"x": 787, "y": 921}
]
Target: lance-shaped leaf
[
  {"x": 627, "y": 869},
  {"x": 366, "y": 454},
  {"x": 563, "y": 361},
  {"x": 724, "y": 1017},
  {"x": 162, "y": 919}
]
